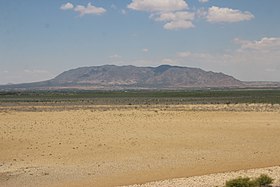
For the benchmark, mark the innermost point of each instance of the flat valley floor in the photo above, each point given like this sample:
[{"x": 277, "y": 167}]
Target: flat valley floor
[{"x": 121, "y": 145}]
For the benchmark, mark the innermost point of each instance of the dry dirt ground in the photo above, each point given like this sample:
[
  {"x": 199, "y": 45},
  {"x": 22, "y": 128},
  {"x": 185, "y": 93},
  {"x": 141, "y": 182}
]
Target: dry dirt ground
[{"x": 122, "y": 145}]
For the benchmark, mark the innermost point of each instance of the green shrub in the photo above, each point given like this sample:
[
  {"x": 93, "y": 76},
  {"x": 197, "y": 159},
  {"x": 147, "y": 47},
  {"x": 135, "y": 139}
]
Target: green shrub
[
  {"x": 263, "y": 180},
  {"x": 240, "y": 182}
]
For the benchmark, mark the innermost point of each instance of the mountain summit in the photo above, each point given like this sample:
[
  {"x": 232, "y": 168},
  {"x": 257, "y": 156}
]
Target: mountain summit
[{"x": 132, "y": 77}]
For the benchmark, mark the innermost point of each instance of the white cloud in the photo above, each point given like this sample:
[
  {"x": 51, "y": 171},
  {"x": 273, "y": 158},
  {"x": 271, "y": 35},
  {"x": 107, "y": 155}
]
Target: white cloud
[
  {"x": 217, "y": 14},
  {"x": 201, "y": 13},
  {"x": 145, "y": 50},
  {"x": 181, "y": 24},
  {"x": 89, "y": 9},
  {"x": 176, "y": 20},
  {"x": 82, "y": 10},
  {"x": 158, "y": 5},
  {"x": 203, "y": 1},
  {"x": 172, "y": 12},
  {"x": 264, "y": 44},
  {"x": 175, "y": 16},
  {"x": 67, "y": 6}
]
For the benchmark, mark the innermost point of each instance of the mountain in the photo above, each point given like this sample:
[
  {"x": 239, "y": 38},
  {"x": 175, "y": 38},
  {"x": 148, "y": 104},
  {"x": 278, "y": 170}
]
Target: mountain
[{"x": 132, "y": 77}]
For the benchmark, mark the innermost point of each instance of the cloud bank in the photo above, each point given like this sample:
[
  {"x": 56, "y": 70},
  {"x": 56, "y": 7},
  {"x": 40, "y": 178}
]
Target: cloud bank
[
  {"x": 173, "y": 13},
  {"x": 176, "y": 20},
  {"x": 158, "y": 5},
  {"x": 264, "y": 44},
  {"x": 217, "y": 15}
]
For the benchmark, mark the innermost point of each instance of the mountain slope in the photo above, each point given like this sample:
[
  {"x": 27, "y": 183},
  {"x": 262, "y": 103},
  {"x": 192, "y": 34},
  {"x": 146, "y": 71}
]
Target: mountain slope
[
  {"x": 162, "y": 76},
  {"x": 125, "y": 77}
]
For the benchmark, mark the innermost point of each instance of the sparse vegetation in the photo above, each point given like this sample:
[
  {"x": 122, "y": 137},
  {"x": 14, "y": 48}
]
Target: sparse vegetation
[
  {"x": 261, "y": 181},
  {"x": 240, "y": 182},
  {"x": 132, "y": 97}
]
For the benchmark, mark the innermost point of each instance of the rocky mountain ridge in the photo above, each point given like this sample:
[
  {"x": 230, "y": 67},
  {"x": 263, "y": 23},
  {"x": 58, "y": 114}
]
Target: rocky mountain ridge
[{"x": 132, "y": 77}]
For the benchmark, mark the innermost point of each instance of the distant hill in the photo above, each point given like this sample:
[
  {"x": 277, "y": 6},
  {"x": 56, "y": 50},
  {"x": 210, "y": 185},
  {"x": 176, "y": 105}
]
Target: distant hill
[{"x": 132, "y": 77}]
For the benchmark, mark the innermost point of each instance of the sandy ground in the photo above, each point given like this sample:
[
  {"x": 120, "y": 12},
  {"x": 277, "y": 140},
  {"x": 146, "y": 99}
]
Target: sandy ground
[
  {"x": 217, "y": 179},
  {"x": 111, "y": 146}
]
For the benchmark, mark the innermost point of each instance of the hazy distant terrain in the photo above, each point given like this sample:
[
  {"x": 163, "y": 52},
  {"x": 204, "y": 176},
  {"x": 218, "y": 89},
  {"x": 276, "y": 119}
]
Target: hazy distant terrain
[
  {"x": 132, "y": 77},
  {"x": 111, "y": 77},
  {"x": 164, "y": 76}
]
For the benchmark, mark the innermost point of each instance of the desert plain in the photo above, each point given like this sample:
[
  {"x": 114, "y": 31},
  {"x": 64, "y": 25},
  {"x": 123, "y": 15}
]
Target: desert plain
[{"x": 115, "y": 145}]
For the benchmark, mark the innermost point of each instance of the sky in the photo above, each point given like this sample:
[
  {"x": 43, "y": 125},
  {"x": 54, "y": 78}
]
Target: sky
[{"x": 41, "y": 39}]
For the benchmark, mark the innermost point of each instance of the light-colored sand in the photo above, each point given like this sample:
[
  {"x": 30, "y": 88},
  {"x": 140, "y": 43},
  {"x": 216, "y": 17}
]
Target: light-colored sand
[
  {"x": 218, "y": 179},
  {"x": 110, "y": 146}
]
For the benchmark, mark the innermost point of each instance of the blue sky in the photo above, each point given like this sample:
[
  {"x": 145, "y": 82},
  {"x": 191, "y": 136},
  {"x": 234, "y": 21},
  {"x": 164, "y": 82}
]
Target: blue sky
[{"x": 40, "y": 39}]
